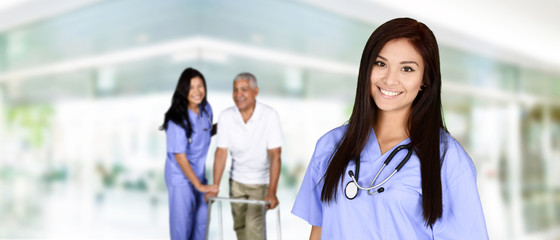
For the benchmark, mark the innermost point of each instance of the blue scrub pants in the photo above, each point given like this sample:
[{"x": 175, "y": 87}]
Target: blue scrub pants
[{"x": 187, "y": 212}]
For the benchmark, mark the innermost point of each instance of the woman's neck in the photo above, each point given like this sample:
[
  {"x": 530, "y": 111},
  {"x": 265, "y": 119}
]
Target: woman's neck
[
  {"x": 194, "y": 108},
  {"x": 391, "y": 129}
]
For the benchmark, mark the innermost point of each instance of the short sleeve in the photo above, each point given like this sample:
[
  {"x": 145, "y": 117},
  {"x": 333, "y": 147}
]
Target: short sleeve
[
  {"x": 222, "y": 138},
  {"x": 308, "y": 205},
  {"x": 176, "y": 138},
  {"x": 275, "y": 137},
  {"x": 462, "y": 217}
]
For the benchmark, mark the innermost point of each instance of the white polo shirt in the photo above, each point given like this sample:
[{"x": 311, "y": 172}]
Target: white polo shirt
[{"x": 248, "y": 143}]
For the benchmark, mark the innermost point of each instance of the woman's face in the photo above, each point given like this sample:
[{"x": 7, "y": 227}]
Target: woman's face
[
  {"x": 197, "y": 92},
  {"x": 396, "y": 76}
]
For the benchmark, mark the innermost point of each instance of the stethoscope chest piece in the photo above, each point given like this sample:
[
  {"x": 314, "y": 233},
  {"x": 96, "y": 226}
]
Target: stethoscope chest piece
[
  {"x": 352, "y": 187},
  {"x": 351, "y": 190}
]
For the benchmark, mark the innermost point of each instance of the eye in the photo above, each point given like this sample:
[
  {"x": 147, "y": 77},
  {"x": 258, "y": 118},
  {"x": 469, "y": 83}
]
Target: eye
[
  {"x": 408, "y": 69},
  {"x": 379, "y": 64}
]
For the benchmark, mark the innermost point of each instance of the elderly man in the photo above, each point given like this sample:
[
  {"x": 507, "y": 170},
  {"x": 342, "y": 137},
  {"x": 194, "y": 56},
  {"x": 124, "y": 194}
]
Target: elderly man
[{"x": 252, "y": 133}]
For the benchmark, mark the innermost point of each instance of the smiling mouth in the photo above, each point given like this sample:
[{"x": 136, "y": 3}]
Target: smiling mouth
[{"x": 389, "y": 93}]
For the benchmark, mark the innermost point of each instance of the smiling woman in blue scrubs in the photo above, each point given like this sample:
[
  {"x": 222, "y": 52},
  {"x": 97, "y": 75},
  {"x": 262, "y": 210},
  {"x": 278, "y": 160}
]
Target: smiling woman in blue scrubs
[
  {"x": 351, "y": 191},
  {"x": 188, "y": 126}
]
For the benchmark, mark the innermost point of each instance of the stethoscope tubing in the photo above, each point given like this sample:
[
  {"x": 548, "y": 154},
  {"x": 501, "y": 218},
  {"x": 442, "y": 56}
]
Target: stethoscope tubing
[
  {"x": 372, "y": 187},
  {"x": 389, "y": 158}
]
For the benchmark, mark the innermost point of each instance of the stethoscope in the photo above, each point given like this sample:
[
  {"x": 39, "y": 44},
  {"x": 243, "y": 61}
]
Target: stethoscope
[
  {"x": 352, "y": 187},
  {"x": 204, "y": 129}
]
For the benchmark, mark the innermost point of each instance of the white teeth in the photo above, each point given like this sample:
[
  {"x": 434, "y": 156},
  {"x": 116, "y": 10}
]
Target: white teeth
[{"x": 389, "y": 93}]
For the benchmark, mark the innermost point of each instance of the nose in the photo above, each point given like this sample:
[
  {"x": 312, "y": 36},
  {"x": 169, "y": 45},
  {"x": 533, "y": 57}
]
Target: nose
[{"x": 391, "y": 77}]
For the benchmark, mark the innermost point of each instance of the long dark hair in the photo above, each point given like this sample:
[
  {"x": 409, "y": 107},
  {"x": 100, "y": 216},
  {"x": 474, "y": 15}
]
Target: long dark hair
[
  {"x": 424, "y": 122},
  {"x": 178, "y": 111}
]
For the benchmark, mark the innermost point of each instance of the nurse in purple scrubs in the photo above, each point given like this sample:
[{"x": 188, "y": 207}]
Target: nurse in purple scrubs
[
  {"x": 394, "y": 171},
  {"x": 188, "y": 127}
]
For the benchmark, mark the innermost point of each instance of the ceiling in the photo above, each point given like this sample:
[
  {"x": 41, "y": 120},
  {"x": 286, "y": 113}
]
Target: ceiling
[{"x": 524, "y": 32}]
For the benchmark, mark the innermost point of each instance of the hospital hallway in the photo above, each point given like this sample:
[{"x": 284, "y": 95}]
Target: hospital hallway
[{"x": 84, "y": 85}]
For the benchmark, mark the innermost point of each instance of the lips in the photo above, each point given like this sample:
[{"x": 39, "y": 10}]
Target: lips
[{"x": 389, "y": 93}]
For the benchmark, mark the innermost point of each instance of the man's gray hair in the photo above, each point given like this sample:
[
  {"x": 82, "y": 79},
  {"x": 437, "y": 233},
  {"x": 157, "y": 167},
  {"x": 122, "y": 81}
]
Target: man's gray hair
[{"x": 245, "y": 75}]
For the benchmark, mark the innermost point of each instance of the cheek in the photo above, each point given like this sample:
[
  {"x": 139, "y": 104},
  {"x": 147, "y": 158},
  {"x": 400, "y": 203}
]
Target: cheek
[
  {"x": 417, "y": 86},
  {"x": 415, "y": 82},
  {"x": 372, "y": 89},
  {"x": 372, "y": 86},
  {"x": 414, "y": 88}
]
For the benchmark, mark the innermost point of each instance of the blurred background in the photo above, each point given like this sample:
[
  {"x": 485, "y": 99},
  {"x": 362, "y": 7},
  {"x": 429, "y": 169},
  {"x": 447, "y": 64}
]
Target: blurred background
[{"x": 84, "y": 85}]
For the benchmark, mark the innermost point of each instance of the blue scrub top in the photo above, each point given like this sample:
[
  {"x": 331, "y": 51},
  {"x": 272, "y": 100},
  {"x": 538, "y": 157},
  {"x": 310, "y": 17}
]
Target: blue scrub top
[
  {"x": 395, "y": 213},
  {"x": 196, "y": 151}
]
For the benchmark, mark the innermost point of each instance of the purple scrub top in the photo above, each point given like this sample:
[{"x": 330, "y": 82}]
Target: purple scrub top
[
  {"x": 196, "y": 150},
  {"x": 395, "y": 213}
]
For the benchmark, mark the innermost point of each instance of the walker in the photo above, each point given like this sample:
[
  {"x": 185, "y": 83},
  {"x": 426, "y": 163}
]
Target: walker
[{"x": 219, "y": 201}]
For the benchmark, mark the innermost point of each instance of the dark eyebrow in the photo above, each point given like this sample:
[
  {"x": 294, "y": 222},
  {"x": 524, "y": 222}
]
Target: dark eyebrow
[
  {"x": 410, "y": 62},
  {"x": 403, "y": 62}
]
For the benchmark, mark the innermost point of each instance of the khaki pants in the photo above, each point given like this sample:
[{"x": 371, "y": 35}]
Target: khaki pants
[{"x": 247, "y": 218}]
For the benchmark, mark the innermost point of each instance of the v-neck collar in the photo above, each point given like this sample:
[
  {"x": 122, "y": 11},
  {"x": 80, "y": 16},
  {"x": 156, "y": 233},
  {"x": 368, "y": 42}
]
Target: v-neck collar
[
  {"x": 193, "y": 113},
  {"x": 373, "y": 150}
]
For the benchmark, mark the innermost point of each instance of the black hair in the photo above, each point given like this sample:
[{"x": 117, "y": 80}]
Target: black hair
[
  {"x": 425, "y": 121},
  {"x": 178, "y": 111}
]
